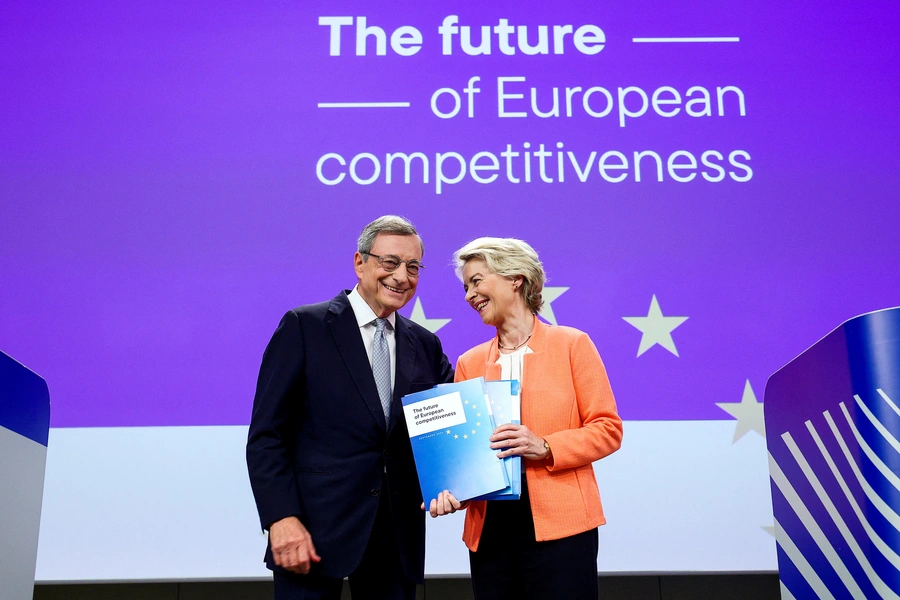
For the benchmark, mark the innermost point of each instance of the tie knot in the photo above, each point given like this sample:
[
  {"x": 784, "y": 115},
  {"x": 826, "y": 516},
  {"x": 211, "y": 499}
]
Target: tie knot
[{"x": 380, "y": 325}]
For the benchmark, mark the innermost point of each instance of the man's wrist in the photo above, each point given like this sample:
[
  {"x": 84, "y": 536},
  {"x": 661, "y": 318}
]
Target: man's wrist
[{"x": 283, "y": 520}]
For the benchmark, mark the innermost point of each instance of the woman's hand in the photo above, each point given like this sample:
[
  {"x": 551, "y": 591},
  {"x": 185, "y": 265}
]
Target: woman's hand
[
  {"x": 518, "y": 440},
  {"x": 445, "y": 504}
]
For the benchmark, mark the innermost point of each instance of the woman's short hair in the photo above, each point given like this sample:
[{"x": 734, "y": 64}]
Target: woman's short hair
[
  {"x": 507, "y": 257},
  {"x": 388, "y": 225}
]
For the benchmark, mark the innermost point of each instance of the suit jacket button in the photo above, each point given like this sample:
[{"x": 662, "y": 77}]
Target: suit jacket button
[{"x": 374, "y": 493}]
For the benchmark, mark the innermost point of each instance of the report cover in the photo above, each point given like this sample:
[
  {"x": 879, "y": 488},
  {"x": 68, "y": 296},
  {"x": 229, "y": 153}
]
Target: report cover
[
  {"x": 506, "y": 408},
  {"x": 449, "y": 428}
]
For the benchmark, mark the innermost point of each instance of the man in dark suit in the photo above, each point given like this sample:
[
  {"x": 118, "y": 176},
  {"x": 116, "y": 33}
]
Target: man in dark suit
[{"x": 328, "y": 451}]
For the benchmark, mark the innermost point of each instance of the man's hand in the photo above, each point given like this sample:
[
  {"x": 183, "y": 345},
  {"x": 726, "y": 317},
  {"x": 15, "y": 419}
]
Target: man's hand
[
  {"x": 292, "y": 545},
  {"x": 518, "y": 440},
  {"x": 445, "y": 504}
]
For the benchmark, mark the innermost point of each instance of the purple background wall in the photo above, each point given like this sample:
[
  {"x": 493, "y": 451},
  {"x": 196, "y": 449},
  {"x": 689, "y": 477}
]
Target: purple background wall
[{"x": 160, "y": 209}]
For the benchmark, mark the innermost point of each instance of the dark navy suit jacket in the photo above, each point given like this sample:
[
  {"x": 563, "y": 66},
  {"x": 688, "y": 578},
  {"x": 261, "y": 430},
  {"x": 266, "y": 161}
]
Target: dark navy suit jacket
[{"x": 319, "y": 448}]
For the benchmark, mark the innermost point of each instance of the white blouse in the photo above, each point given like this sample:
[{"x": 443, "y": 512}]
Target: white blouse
[{"x": 512, "y": 365}]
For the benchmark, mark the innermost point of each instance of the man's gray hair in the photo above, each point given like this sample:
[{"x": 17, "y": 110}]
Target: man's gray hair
[
  {"x": 507, "y": 257},
  {"x": 388, "y": 224}
]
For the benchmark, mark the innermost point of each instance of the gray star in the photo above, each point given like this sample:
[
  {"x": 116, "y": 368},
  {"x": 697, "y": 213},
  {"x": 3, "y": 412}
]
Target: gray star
[
  {"x": 549, "y": 294},
  {"x": 418, "y": 316},
  {"x": 748, "y": 412},
  {"x": 655, "y": 328}
]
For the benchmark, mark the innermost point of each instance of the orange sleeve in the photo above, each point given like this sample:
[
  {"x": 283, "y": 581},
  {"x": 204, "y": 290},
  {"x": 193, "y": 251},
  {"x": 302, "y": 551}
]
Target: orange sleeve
[{"x": 600, "y": 430}]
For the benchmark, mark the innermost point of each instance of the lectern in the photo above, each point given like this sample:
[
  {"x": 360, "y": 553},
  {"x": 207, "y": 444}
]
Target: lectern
[
  {"x": 24, "y": 428},
  {"x": 833, "y": 435}
]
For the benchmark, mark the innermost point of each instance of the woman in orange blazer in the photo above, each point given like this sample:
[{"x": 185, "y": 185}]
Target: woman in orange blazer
[{"x": 545, "y": 544}]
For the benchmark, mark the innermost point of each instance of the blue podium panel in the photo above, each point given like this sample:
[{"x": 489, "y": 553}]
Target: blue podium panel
[
  {"x": 24, "y": 427},
  {"x": 833, "y": 417}
]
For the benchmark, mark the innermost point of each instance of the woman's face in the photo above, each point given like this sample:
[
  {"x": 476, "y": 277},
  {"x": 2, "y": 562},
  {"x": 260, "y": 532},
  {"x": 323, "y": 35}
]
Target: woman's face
[{"x": 491, "y": 295}]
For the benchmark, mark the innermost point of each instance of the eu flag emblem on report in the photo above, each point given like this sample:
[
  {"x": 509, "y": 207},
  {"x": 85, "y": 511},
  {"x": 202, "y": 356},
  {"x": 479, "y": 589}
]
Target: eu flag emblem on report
[{"x": 449, "y": 429}]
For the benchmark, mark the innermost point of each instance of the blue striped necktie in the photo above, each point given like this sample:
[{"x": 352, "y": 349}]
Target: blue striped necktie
[{"x": 381, "y": 367}]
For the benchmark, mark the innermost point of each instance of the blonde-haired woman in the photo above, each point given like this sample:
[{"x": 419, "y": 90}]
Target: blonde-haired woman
[{"x": 545, "y": 544}]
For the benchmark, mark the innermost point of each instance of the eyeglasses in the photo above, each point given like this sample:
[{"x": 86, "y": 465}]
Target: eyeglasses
[{"x": 391, "y": 263}]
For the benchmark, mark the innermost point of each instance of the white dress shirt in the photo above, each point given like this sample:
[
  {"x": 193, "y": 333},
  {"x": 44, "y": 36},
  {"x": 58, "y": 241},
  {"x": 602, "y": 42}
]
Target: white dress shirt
[{"x": 365, "y": 318}]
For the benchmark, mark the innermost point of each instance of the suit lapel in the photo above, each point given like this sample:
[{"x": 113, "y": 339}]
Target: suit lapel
[
  {"x": 406, "y": 361},
  {"x": 533, "y": 359},
  {"x": 345, "y": 331},
  {"x": 492, "y": 369}
]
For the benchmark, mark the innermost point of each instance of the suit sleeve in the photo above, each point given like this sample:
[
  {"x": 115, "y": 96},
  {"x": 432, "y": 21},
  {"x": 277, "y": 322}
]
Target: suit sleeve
[
  {"x": 601, "y": 432},
  {"x": 275, "y": 408}
]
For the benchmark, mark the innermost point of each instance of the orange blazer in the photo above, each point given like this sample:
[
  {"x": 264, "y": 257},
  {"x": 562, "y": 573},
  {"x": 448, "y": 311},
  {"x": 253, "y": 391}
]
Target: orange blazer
[{"x": 566, "y": 399}]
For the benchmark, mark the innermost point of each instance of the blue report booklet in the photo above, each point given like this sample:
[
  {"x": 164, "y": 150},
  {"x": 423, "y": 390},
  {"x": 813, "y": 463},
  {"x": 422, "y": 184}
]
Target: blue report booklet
[
  {"x": 506, "y": 407},
  {"x": 449, "y": 429}
]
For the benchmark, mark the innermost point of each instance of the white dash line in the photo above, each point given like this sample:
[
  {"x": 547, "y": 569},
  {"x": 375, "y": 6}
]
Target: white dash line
[
  {"x": 682, "y": 40},
  {"x": 363, "y": 105}
]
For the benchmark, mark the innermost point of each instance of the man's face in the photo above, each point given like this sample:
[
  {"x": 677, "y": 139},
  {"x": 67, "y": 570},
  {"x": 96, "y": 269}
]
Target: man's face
[{"x": 387, "y": 292}]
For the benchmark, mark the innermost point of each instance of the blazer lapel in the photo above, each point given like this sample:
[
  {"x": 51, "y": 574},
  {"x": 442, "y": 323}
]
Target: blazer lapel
[
  {"x": 532, "y": 360},
  {"x": 492, "y": 369},
  {"x": 406, "y": 361},
  {"x": 344, "y": 329}
]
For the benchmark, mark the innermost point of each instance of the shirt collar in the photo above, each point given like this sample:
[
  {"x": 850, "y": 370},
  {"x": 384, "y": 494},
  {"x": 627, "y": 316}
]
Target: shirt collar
[{"x": 364, "y": 313}]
